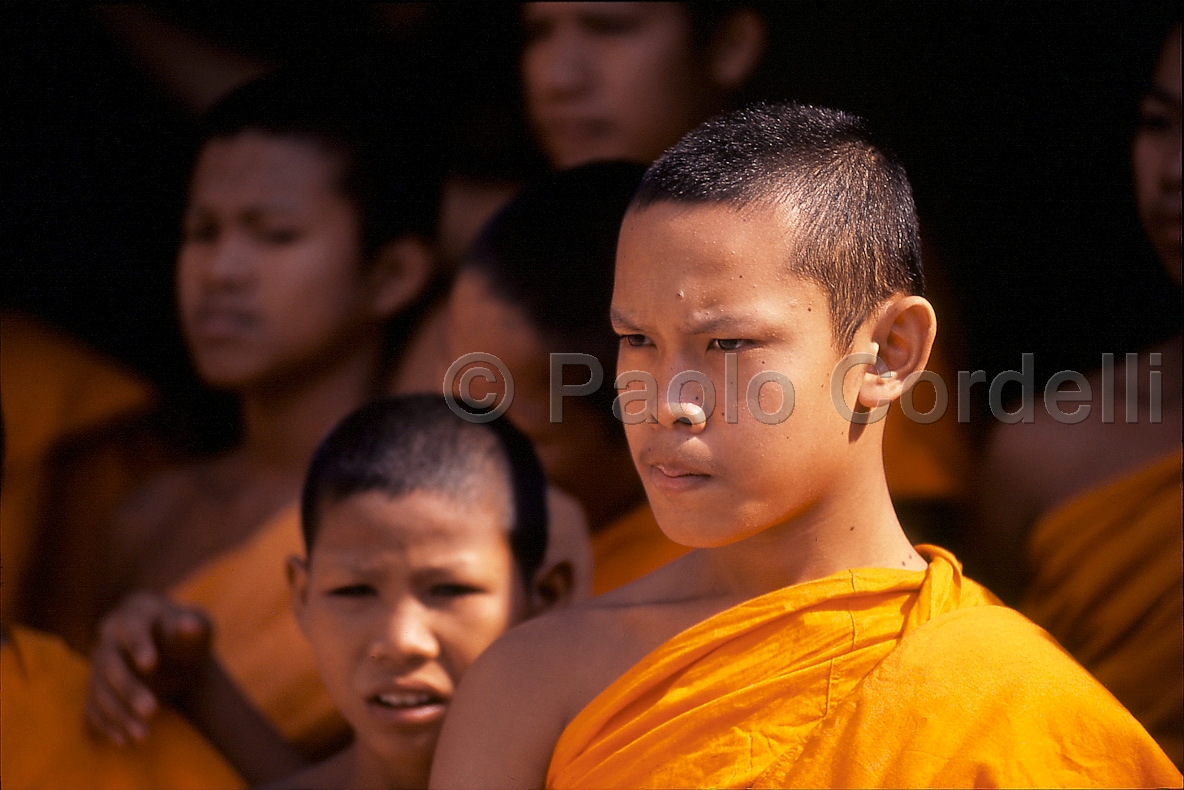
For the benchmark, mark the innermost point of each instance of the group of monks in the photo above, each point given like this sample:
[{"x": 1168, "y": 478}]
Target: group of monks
[{"x": 726, "y": 599}]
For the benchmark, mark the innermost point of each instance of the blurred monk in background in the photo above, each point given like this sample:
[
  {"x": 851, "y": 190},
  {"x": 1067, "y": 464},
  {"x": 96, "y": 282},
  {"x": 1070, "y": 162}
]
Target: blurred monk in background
[
  {"x": 539, "y": 280},
  {"x": 53, "y": 388},
  {"x": 1081, "y": 514},
  {"x": 305, "y": 266}
]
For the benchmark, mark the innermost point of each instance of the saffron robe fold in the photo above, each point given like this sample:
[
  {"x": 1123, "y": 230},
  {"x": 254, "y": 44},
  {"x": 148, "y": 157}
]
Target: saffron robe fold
[
  {"x": 52, "y": 388},
  {"x": 256, "y": 637},
  {"x": 629, "y": 548},
  {"x": 1108, "y": 583},
  {"x": 870, "y": 678},
  {"x": 46, "y": 746}
]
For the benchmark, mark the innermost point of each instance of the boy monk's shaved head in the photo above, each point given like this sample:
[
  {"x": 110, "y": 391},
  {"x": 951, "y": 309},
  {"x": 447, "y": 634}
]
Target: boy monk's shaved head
[
  {"x": 401, "y": 445},
  {"x": 848, "y": 201}
]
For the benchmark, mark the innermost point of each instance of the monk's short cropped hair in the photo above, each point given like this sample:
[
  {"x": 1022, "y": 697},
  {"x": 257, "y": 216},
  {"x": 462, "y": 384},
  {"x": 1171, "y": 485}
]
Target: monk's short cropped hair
[
  {"x": 552, "y": 252},
  {"x": 847, "y": 202},
  {"x": 385, "y": 129},
  {"x": 400, "y": 445}
]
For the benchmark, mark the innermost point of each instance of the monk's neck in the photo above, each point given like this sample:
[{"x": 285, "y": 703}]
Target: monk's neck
[
  {"x": 284, "y": 421},
  {"x": 372, "y": 771},
  {"x": 854, "y": 525}
]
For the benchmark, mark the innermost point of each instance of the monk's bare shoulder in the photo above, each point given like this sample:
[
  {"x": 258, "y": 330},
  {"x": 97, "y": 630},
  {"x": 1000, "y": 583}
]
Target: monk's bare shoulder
[{"x": 515, "y": 701}]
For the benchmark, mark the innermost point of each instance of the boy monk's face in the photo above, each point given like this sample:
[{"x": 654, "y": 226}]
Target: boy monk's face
[
  {"x": 398, "y": 598},
  {"x": 269, "y": 281},
  {"x": 696, "y": 282},
  {"x": 610, "y": 80}
]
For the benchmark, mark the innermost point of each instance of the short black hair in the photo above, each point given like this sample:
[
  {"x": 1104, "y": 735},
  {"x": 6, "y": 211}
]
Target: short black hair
[
  {"x": 552, "y": 252},
  {"x": 853, "y": 213},
  {"x": 385, "y": 129},
  {"x": 409, "y": 443}
]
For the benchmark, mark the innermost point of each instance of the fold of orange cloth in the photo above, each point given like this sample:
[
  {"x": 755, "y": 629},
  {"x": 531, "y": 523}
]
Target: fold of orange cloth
[
  {"x": 52, "y": 387},
  {"x": 1108, "y": 583},
  {"x": 866, "y": 678},
  {"x": 256, "y": 637},
  {"x": 629, "y": 548},
  {"x": 45, "y": 743}
]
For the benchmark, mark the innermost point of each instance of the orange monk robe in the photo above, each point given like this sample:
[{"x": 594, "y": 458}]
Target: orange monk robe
[
  {"x": 927, "y": 462},
  {"x": 1108, "y": 576},
  {"x": 256, "y": 637},
  {"x": 867, "y": 678},
  {"x": 629, "y": 548},
  {"x": 44, "y": 742},
  {"x": 52, "y": 387}
]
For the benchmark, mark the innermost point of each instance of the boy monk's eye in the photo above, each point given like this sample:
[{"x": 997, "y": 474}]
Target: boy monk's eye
[
  {"x": 353, "y": 591},
  {"x": 279, "y": 236},
  {"x": 635, "y": 340},
  {"x": 727, "y": 344},
  {"x": 453, "y": 590}
]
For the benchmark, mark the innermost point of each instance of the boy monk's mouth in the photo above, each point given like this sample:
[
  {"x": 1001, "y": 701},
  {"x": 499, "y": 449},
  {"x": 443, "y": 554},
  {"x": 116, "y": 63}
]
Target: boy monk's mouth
[
  {"x": 408, "y": 706},
  {"x": 673, "y": 477}
]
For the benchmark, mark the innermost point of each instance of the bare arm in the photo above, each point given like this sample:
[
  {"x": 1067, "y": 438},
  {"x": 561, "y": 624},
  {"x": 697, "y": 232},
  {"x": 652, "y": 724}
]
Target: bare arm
[{"x": 507, "y": 716}]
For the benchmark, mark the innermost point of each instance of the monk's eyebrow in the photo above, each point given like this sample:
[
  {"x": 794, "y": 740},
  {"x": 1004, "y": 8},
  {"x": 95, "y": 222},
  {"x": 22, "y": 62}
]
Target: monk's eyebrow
[
  {"x": 622, "y": 322},
  {"x": 714, "y": 323}
]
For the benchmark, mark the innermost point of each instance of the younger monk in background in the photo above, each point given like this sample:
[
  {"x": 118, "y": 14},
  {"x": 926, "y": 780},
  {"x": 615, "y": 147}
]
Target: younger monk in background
[
  {"x": 1090, "y": 506},
  {"x": 426, "y": 538},
  {"x": 539, "y": 281},
  {"x": 804, "y": 642},
  {"x": 302, "y": 271}
]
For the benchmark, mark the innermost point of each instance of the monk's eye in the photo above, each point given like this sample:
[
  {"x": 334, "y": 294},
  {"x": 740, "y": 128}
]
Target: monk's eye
[
  {"x": 278, "y": 236},
  {"x": 353, "y": 591},
  {"x": 635, "y": 340},
  {"x": 727, "y": 344},
  {"x": 453, "y": 590}
]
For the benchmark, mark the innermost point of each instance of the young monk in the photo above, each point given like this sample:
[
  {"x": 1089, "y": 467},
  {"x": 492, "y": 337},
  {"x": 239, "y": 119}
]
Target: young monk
[
  {"x": 303, "y": 268},
  {"x": 426, "y": 538},
  {"x": 1090, "y": 505},
  {"x": 538, "y": 281},
  {"x": 803, "y": 642},
  {"x": 626, "y": 81}
]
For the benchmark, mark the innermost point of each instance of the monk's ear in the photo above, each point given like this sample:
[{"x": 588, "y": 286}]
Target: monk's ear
[
  {"x": 903, "y": 336},
  {"x": 297, "y": 569},
  {"x": 399, "y": 273},
  {"x": 553, "y": 586},
  {"x": 736, "y": 49}
]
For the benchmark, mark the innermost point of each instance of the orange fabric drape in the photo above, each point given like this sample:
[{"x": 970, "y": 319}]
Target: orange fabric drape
[
  {"x": 867, "y": 678},
  {"x": 44, "y": 743},
  {"x": 52, "y": 387},
  {"x": 256, "y": 637},
  {"x": 629, "y": 548},
  {"x": 1108, "y": 583}
]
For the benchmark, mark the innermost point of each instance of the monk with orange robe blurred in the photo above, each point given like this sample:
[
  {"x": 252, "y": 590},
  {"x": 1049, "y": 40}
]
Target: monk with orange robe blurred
[
  {"x": 46, "y": 744},
  {"x": 305, "y": 265},
  {"x": 1088, "y": 498},
  {"x": 768, "y": 303},
  {"x": 52, "y": 388}
]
